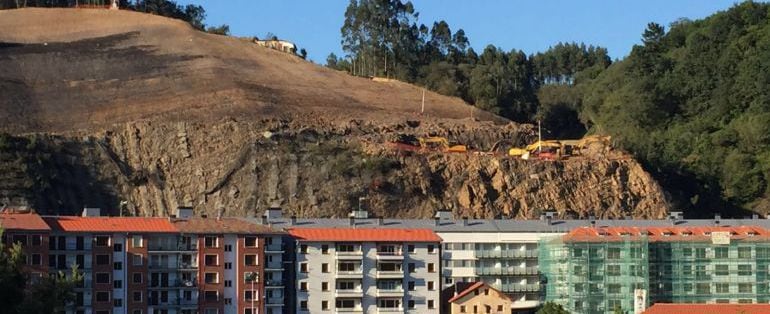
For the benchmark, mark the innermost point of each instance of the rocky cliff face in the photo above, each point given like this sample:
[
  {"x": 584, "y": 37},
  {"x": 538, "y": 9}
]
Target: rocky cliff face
[{"x": 322, "y": 169}]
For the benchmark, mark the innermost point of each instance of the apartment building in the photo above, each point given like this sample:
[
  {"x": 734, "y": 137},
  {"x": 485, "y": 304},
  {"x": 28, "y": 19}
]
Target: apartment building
[
  {"x": 605, "y": 268},
  {"x": 344, "y": 268},
  {"x": 31, "y": 232}
]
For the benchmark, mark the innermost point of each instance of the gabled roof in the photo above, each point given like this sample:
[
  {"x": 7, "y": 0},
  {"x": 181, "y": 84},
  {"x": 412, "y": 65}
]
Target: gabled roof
[
  {"x": 475, "y": 286},
  {"x": 22, "y": 221},
  {"x": 221, "y": 225},
  {"x": 364, "y": 235},
  {"x": 664, "y": 308},
  {"x": 110, "y": 224}
]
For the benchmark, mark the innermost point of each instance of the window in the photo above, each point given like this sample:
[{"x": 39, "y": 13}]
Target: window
[
  {"x": 303, "y": 286},
  {"x": 721, "y": 252},
  {"x": 211, "y": 278},
  {"x": 325, "y": 305},
  {"x": 723, "y": 287},
  {"x": 102, "y": 240},
  {"x": 431, "y": 249},
  {"x": 324, "y": 268},
  {"x": 102, "y": 278},
  {"x": 117, "y": 302},
  {"x": 136, "y": 312},
  {"x": 303, "y": 305},
  {"x": 117, "y": 265},
  {"x": 303, "y": 267},
  {"x": 117, "y": 284},
  {"x": 136, "y": 241},
  {"x": 20, "y": 239},
  {"x": 744, "y": 252},
  {"x": 250, "y": 260},
  {"x": 346, "y": 267},
  {"x": 36, "y": 239},
  {"x": 613, "y": 270},
  {"x": 744, "y": 270},
  {"x": 700, "y": 252},
  {"x": 324, "y": 249},
  {"x": 411, "y": 267},
  {"x": 324, "y": 286},
  {"x": 250, "y": 241},
  {"x": 138, "y": 259},
  {"x": 228, "y": 283},
  {"x": 462, "y": 308},
  {"x": 303, "y": 248},
  {"x": 102, "y": 296},
  {"x": 211, "y": 311},
  {"x": 410, "y": 248},
  {"x": 702, "y": 288},
  {"x": 745, "y": 301},
  {"x": 211, "y": 260},
  {"x": 744, "y": 288},
  {"x": 228, "y": 248},
  {"x": 613, "y": 253},
  {"x": 410, "y": 304},
  {"x": 117, "y": 247},
  {"x": 721, "y": 270},
  {"x": 250, "y": 295},
  {"x": 137, "y": 278},
  {"x": 228, "y": 265},
  {"x": 349, "y": 248},
  {"x": 431, "y": 268},
  {"x": 102, "y": 259},
  {"x": 211, "y": 295},
  {"x": 613, "y": 288},
  {"x": 431, "y": 286},
  {"x": 210, "y": 242},
  {"x": 410, "y": 286},
  {"x": 137, "y": 296},
  {"x": 431, "y": 305},
  {"x": 36, "y": 259}
]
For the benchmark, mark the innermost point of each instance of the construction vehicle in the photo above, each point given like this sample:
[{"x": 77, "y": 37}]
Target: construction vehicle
[
  {"x": 441, "y": 144},
  {"x": 578, "y": 147}
]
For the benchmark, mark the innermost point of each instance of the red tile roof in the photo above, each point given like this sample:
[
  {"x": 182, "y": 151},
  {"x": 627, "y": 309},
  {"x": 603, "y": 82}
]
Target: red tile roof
[
  {"x": 22, "y": 221},
  {"x": 663, "y": 234},
  {"x": 364, "y": 235},
  {"x": 663, "y": 308},
  {"x": 223, "y": 225},
  {"x": 110, "y": 224},
  {"x": 475, "y": 286}
]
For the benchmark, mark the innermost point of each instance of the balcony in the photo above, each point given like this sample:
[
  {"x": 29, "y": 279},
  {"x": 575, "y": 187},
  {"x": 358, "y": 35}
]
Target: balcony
[
  {"x": 506, "y": 270},
  {"x": 390, "y": 274},
  {"x": 515, "y": 287},
  {"x": 274, "y": 301},
  {"x": 390, "y": 292},
  {"x": 349, "y": 293},
  {"x": 274, "y": 249},
  {"x": 495, "y": 254},
  {"x": 274, "y": 266},
  {"x": 390, "y": 310},
  {"x": 390, "y": 255},
  {"x": 356, "y": 273},
  {"x": 273, "y": 284},
  {"x": 356, "y": 255},
  {"x": 179, "y": 248},
  {"x": 349, "y": 310},
  {"x": 177, "y": 284}
]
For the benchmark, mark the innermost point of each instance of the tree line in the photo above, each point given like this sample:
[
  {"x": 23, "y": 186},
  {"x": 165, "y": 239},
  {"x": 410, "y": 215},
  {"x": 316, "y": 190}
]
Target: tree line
[{"x": 383, "y": 38}]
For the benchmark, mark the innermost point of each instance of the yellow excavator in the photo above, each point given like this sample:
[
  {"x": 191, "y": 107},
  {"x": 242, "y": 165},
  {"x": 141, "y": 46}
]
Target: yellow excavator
[
  {"x": 555, "y": 149},
  {"x": 436, "y": 143}
]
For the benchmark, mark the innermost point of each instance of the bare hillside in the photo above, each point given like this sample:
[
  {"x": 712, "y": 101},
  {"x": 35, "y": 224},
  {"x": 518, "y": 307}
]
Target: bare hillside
[
  {"x": 89, "y": 68},
  {"x": 140, "y": 114}
]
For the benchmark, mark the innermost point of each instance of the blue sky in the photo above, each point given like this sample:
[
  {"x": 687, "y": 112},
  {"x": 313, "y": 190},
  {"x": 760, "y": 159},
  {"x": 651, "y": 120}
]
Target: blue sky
[{"x": 530, "y": 26}]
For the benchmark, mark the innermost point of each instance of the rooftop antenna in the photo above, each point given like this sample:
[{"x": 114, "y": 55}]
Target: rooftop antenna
[{"x": 539, "y": 138}]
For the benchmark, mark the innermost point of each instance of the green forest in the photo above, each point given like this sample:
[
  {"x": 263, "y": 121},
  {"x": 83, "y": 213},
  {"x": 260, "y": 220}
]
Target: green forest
[{"x": 691, "y": 101}]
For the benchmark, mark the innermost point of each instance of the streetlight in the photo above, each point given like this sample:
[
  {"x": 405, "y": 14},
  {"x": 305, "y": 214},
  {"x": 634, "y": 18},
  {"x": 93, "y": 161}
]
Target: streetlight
[{"x": 252, "y": 277}]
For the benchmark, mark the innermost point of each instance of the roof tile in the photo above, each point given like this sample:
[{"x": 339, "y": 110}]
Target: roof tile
[
  {"x": 364, "y": 235},
  {"x": 109, "y": 224},
  {"x": 22, "y": 221}
]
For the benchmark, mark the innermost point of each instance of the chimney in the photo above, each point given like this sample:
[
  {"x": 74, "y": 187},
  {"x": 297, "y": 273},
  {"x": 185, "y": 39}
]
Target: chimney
[
  {"x": 717, "y": 217},
  {"x": 592, "y": 218},
  {"x": 754, "y": 216},
  {"x": 293, "y": 220},
  {"x": 352, "y": 220},
  {"x": 274, "y": 212},
  {"x": 184, "y": 212},
  {"x": 437, "y": 221},
  {"x": 548, "y": 220},
  {"x": 465, "y": 221},
  {"x": 443, "y": 214},
  {"x": 91, "y": 212},
  {"x": 263, "y": 219},
  {"x": 381, "y": 221}
]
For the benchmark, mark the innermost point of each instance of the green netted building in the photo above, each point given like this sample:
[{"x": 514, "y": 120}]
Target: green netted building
[{"x": 603, "y": 270}]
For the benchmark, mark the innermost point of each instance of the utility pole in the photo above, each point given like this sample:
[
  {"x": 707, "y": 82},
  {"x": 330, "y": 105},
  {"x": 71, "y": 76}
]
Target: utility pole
[
  {"x": 539, "y": 138},
  {"x": 422, "y": 110}
]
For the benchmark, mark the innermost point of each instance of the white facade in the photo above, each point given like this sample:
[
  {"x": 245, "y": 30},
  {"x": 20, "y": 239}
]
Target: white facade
[
  {"x": 506, "y": 261},
  {"x": 368, "y": 277}
]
